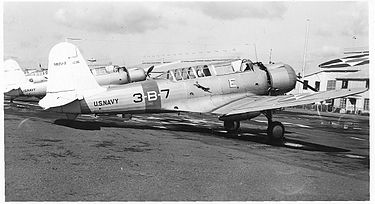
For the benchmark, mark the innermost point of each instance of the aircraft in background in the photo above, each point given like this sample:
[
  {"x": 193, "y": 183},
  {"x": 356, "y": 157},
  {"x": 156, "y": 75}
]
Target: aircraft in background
[
  {"x": 17, "y": 84},
  {"x": 34, "y": 83},
  {"x": 235, "y": 91},
  {"x": 114, "y": 75},
  {"x": 36, "y": 75}
]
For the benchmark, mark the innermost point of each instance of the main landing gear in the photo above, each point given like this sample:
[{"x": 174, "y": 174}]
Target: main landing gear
[{"x": 275, "y": 130}]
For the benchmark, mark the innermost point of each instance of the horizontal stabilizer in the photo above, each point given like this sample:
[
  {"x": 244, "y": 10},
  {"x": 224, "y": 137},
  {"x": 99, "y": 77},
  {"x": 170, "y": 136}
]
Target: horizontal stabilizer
[{"x": 57, "y": 99}]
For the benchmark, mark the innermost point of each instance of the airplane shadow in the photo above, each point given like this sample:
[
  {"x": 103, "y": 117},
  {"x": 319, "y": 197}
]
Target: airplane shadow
[{"x": 246, "y": 134}]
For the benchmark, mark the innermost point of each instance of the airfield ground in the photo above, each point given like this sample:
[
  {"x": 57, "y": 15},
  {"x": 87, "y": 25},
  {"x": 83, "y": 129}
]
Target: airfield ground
[{"x": 184, "y": 157}]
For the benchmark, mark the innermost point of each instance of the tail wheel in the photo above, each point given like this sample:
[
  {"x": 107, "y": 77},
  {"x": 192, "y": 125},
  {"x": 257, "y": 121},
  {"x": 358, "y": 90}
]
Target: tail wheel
[
  {"x": 276, "y": 131},
  {"x": 231, "y": 125}
]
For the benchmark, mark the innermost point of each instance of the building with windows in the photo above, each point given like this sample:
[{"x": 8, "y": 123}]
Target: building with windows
[{"x": 345, "y": 73}]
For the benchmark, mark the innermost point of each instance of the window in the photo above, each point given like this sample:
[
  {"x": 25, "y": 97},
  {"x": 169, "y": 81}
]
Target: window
[
  {"x": 170, "y": 75},
  {"x": 222, "y": 68},
  {"x": 191, "y": 73},
  {"x": 200, "y": 72},
  {"x": 317, "y": 85},
  {"x": 344, "y": 84},
  {"x": 249, "y": 67},
  {"x": 305, "y": 83},
  {"x": 178, "y": 74},
  {"x": 367, "y": 83},
  {"x": 203, "y": 71},
  {"x": 331, "y": 85},
  {"x": 366, "y": 104},
  {"x": 343, "y": 103},
  {"x": 206, "y": 71},
  {"x": 185, "y": 73},
  {"x": 101, "y": 70}
]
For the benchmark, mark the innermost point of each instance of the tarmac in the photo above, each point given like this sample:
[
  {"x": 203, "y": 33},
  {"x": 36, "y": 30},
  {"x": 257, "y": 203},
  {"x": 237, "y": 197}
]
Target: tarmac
[{"x": 182, "y": 157}]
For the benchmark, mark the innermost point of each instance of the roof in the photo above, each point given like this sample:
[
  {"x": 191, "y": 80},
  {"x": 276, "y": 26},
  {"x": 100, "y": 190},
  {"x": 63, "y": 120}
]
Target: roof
[{"x": 360, "y": 75}]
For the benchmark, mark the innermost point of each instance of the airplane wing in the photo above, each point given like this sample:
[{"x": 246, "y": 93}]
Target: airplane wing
[{"x": 260, "y": 103}]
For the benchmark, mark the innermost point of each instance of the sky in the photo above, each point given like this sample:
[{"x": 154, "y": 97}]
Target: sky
[{"x": 127, "y": 33}]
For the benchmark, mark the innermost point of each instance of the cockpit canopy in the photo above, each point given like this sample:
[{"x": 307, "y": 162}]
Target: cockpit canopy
[{"x": 193, "y": 71}]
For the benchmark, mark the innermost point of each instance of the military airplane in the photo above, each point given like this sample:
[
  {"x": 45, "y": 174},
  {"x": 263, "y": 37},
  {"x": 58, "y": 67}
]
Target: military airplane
[
  {"x": 36, "y": 75},
  {"x": 115, "y": 75},
  {"x": 235, "y": 91},
  {"x": 34, "y": 83},
  {"x": 17, "y": 84}
]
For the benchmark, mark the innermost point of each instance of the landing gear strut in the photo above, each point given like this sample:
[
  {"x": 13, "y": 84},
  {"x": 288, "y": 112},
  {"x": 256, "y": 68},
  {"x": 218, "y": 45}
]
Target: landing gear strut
[
  {"x": 231, "y": 125},
  {"x": 275, "y": 130}
]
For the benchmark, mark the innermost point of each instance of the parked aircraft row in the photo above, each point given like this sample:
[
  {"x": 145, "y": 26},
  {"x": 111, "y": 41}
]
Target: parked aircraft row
[
  {"x": 17, "y": 83},
  {"x": 233, "y": 90}
]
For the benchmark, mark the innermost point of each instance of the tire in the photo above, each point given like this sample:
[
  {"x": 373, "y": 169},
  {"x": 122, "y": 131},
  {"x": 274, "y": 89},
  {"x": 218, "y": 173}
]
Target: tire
[
  {"x": 231, "y": 126},
  {"x": 276, "y": 131}
]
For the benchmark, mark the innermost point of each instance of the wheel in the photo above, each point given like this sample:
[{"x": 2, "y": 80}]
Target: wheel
[
  {"x": 231, "y": 125},
  {"x": 276, "y": 131}
]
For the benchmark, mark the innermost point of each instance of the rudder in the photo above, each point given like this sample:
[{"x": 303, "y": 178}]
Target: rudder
[
  {"x": 13, "y": 75},
  {"x": 69, "y": 77},
  {"x": 68, "y": 71}
]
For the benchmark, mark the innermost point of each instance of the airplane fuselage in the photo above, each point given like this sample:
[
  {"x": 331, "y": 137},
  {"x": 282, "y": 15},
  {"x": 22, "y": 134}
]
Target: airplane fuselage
[
  {"x": 154, "y": 96},
  {"x": 28, "y": 89},
  {"x": 34, "y": 89}
]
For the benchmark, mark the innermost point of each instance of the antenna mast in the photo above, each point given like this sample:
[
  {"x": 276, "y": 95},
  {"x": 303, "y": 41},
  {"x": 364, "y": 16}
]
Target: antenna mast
[
  {"x": 304, "y": 53},
  {"x": 305, "y": 49},
  {"x": 270, "y": 56}
]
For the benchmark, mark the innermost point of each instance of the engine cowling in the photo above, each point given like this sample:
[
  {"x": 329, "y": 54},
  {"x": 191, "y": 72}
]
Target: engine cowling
[
  {"x": 283, "y": 78},
  {"x": 136, "y": 74},
  {"x": 121, "y": 76}
]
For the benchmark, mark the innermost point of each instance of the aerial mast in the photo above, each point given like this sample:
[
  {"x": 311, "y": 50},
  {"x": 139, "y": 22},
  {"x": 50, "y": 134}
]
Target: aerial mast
[
  {"x": 270, "y": 62},
  {"x": 305, "y": 50}
]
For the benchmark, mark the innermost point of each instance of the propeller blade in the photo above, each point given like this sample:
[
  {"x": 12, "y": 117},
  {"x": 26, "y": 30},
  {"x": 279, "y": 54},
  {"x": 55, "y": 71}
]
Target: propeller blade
[
  {"x": 149, "y": 70},
  {"x": 308, "y": 86}
]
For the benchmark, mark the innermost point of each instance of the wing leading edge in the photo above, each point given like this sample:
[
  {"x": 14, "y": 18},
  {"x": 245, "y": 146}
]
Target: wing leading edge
[{"x": 261, "y": 103}]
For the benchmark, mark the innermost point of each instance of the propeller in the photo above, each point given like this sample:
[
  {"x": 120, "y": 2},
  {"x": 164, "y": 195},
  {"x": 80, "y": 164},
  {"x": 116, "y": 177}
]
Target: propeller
[
  {"x": 308, "y": 86},
  {"x": 149, "y": 71}
]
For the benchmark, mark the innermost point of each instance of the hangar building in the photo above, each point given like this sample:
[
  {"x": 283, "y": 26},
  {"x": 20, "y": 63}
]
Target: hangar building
[{"x": 347, "y": 72}]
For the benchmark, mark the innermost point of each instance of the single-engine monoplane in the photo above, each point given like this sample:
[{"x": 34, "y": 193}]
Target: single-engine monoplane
[{"x": 235, "y": 91}]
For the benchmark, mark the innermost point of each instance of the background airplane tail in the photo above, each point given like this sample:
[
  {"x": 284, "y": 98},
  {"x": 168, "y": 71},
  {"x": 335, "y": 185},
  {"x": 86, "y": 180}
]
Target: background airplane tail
[
  {"x": 69, "y": 77},
  {"x": 13, "y": 75}
]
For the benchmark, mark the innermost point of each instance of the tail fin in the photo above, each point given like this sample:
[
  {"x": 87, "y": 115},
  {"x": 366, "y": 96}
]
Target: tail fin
[
  {"x": 13, "y": 75},
  {"x": 69, "y": 77}
]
